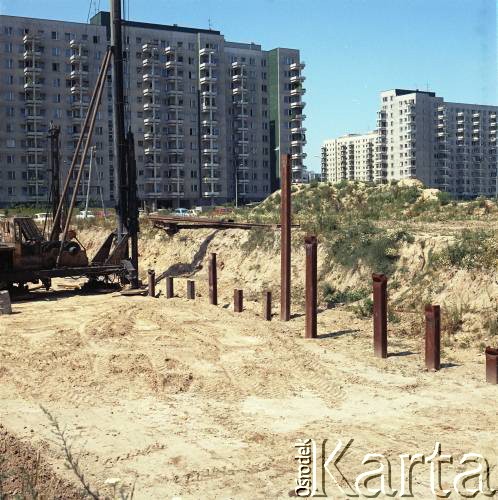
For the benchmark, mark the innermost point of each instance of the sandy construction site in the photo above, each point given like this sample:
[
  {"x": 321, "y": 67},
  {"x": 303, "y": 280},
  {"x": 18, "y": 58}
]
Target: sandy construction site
[{"x": 188, "y": 400}]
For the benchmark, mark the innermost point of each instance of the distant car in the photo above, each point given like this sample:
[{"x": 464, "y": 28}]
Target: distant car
[
  {"x": 85, "y": 214},
  {"x": 181, "y": 212},
  {"x": 41, "y": 217}
]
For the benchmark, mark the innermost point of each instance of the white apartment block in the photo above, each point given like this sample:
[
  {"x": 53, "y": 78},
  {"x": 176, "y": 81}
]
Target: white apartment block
[
  {"x": 204, "y": 111},
  {"x": 449, "y": 146},
  {"x": 350, "y": 157}
]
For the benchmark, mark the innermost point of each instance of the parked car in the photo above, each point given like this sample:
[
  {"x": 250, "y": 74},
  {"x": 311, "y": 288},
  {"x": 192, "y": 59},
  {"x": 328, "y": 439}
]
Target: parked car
[
  {"x": 181, "y": 212},
  {"x": 41, "y": 217},
  {"x": 85, "y": 214}
]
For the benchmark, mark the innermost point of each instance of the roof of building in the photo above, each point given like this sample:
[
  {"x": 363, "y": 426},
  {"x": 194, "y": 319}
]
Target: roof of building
[
  {"x": 410, "y": 91},
  {"x": 104, "y": 18}
]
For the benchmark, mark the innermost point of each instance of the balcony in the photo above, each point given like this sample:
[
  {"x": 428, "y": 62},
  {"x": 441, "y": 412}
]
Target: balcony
[
  {"x": 149, "y": 91},
  {"x": 238, "y": 90},
  {"x": 298, "y": 130},
  {"x": 172, "y": 120},
  {"x": 173, "y": 77},
  {"x": 77, "y": 89},
  {"x": 212, "y": 149},
  {"x": 151, "y": 120},
  {"x": 298, "y": 156},
  {"x": 30, "y": 54},
  {"x": 208, "y": 136},
  {"x": 32, "y": 134},
  {"x": 206, "y": 65},
  {"x": 152, "y": 150},
  {"x": 150, "y": 136},
  {"x": 31, "y": 100},
  {"x": 77, "y": 73},
  {"x": 239, "y": 77},
  {"x": 210, "y": 194},
  {"x": 208, "y": 123},
  {"x": 79, "y": 105},
  {"x": 173, "y": 63},
  {"x": 174, "y": 106},
  {"x": 297, "y": 66},
  {"x": 208, "y": 79},
  {"x": 148, "y": 62},
  {"x": 297, "y": 91},
  {"x": 240, "y": 102},
  {"x": 32, "y": 85},
  {"x": 177, "y": 91},
  {"x": 297, "y": 79},
  {"x": 208, "y": 107},
  {"x": 210, "y": 164},
  {"x": 153, "y": 180},
  {"x": 77, "y": 58},
  {"x": 206, "y": 51},
  {"x": 29, "y": 70},
  {"x": 299, "y": 104},
  {"x": 150, "y": 77},
  {"x": 75, "y": 44},
  {"x": 150, "y": 106},
  {"x": 208, "y": 93}
]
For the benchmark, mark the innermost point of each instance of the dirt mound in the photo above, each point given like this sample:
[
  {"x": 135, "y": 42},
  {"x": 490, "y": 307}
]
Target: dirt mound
[{"x": 23, "y": 471}]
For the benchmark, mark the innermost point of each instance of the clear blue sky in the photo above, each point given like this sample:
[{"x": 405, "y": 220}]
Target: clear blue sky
[{"x": 353, "y": 48}]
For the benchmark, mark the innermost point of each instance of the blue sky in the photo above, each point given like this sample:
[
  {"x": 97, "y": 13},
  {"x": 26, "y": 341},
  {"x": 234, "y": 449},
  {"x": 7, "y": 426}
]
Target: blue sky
[{"x": 353, "y": 48}]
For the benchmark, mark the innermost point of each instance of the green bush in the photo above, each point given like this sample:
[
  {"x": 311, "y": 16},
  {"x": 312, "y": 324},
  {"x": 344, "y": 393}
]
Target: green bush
[
  {"x": 363, "y": 309},
  {"x": 474, "y": 249},
  {"x": 359, "y": 241},
  {"x": 444, "y": 198},
  {"x": 333, "y": 297}
]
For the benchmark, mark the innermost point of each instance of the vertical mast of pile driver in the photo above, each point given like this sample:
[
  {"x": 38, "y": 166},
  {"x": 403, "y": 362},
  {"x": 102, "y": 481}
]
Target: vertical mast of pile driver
[{"x": 124, "y": 165}]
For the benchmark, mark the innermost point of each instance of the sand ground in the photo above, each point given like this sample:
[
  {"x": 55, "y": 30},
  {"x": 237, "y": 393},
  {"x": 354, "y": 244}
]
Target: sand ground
[{"x": 191, "y": 400}]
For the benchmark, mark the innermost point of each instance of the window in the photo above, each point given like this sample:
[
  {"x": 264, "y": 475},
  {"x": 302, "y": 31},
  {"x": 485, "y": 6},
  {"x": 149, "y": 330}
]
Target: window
[
  {"x": 7, "y": 30},
  {"x": 11, "y": 143},
  {"x": 8, "y": 48},
  {"x": 56, "y": 51},
  {"x": 55, "y": 35}
]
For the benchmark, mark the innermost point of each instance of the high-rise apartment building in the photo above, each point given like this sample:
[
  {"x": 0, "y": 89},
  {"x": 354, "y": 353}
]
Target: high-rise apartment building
[
  {"x": 209, "y": 116},
  {"x": 449, "y": 146},
  {"x": 349, "y": 157}
]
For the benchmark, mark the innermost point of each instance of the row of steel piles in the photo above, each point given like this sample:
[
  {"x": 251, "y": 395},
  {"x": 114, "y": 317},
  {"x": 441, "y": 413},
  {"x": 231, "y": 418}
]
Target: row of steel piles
[{"x": 238, "y": 295}]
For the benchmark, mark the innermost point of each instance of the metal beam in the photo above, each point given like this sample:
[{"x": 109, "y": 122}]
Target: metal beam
[
  {"x": 119, "y": 157},
  {"x": 213, "y": 280},
  {"x": 432, "y": 337},
  {"x": 285, "y": 237},
  {"x": 311, "y": 287},
  {"x": 380, "y": 314}
]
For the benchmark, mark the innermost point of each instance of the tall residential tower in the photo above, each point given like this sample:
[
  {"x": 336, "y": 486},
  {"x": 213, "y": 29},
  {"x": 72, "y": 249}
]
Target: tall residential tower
[
  {"x": 209, "y": 116},
  {"x": 447, "y": 145}
]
